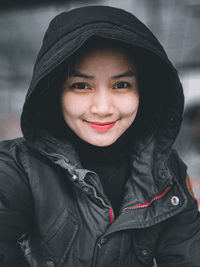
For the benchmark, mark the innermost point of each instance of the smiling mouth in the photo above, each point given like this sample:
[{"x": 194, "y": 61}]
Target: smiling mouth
[{"x": 101, "y": 126}]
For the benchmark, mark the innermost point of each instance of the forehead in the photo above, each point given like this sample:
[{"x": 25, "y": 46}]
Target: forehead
[
  {"x": 102, "y": 53},
  {"x": 99, "y": 53}
]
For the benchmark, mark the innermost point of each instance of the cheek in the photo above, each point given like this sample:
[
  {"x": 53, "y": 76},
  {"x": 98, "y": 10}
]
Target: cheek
[
  {"x": 71, "y": 105},
  {"x": 130, "y": 105}
]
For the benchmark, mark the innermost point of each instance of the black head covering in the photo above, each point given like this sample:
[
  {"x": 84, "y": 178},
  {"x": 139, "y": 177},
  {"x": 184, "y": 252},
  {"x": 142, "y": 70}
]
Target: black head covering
[{"x": 161, "y": 94}]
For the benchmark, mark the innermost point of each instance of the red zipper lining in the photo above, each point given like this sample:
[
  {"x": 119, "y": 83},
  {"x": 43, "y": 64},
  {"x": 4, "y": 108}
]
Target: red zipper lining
[
  {"x": 144, "y": 205},
  {"x": 111, "y": 215}
]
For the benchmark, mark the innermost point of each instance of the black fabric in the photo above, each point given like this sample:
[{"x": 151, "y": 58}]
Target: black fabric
[
  {"x": 161, "y": 91},
  {"x": 52, "y": 209},
  {"x": 65, "y": 212},
  {"x": 113, "y": 177},
  {"x": 111, "y": 163}
]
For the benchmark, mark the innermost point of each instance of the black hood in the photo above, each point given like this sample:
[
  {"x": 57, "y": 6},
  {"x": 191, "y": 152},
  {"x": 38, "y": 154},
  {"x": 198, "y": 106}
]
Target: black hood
[{"x": 160, "y": 88}]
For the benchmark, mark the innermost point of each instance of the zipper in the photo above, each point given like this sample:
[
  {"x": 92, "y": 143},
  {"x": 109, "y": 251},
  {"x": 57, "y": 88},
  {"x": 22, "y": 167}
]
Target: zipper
[
  {"x": 112, "y": 216},
  {"x": 147, "y": 204}
]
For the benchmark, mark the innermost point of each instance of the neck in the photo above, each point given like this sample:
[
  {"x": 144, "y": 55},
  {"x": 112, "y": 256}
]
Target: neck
[{"x": 90, "y": 154}]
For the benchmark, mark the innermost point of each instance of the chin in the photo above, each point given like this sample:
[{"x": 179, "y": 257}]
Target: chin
[{"x": 101, "y": 143}]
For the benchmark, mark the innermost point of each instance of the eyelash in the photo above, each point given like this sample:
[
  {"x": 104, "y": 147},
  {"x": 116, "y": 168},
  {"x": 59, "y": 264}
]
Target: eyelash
[
  {"x": 73, "y": 86},
  {"x": 76, "y": 85},
  {"x": 120, "y": 83}
]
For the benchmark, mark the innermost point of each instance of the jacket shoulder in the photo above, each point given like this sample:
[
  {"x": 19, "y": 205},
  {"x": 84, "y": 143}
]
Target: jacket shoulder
[
  {"x": 9, "y": 148},
  {"x": 178, "y": 169},
  {"x": 20, "y": 141},
  {"x": 13, "y": 178},
  {"x": 180, "y": 238},
  {"x": 13, "y": 151},
  {"x": 177, "y": 166},
  {"x": 15, "y": 201}
]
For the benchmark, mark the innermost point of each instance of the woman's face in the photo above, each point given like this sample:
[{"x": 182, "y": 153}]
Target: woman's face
[{"x": 100, "y": 98}]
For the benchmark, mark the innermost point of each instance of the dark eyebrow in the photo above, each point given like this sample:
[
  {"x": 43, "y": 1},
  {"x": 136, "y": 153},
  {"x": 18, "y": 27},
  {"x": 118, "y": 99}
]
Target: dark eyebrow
[
  {"x": 128, "y": 73},
  {"x": 81, "y": 75}
]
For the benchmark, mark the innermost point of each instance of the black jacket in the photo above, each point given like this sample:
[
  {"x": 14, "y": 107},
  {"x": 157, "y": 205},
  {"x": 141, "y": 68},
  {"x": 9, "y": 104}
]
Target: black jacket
[{"x": 53, "y": 212}]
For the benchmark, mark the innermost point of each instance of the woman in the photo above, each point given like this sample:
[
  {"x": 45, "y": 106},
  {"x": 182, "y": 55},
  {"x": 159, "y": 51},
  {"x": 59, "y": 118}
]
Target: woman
[{"x": 95, "y": 181}]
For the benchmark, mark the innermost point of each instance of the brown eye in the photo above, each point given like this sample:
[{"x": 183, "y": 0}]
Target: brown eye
[
  {"x": 79, "y": 86},
  {"x": 121, "y": 85}
]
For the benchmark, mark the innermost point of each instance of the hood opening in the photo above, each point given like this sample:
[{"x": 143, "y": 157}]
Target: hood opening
[
  {"x": 156, "y": 89},
  {"x": 161, "y": 95}
]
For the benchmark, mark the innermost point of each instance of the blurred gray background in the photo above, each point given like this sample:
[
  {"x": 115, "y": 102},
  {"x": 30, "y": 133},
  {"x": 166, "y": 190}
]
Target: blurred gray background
[{"x": 176, "y": 23}]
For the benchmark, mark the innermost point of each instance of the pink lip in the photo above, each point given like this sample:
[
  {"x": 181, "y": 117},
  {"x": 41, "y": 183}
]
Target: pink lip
[{"x": 102, "y": 127}]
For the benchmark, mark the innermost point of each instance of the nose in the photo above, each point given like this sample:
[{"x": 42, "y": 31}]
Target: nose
[{"x": 102, "y": 103}]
